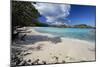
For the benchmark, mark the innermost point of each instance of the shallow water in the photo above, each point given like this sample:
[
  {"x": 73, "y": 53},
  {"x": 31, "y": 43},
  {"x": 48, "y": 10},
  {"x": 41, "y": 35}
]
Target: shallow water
[{"x": 77, "y": 33}]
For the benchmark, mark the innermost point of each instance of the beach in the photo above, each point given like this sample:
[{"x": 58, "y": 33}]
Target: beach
[{"x": 43, "y": 48}]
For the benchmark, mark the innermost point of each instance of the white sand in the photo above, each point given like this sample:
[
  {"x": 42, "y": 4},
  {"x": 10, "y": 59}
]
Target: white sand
[{"x": 69, "y": 50}]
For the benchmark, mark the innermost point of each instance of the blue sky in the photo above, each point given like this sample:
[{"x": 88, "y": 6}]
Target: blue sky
[
  {"x": 66, "y": 13},
  {"x": 82, "y": 14}
]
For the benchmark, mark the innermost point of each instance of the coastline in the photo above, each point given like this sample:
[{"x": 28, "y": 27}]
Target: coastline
[
  {"x": 64, "y": 51},
  {"x": 50, "y": 35}
]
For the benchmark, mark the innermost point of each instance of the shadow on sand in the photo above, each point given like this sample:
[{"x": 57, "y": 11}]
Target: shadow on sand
[
  {"x": 18, "y": 51},
  {"x": 32, "y": 39}
]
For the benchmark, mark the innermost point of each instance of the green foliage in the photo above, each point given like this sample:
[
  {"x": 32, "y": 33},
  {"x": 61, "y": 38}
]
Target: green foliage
[
  {"x": 23, "y": 13},
  {"x": 41, "y": 24}
]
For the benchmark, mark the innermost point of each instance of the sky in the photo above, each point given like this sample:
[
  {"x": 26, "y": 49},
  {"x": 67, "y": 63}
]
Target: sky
[
  {"x": 66, "y": 13},
  {"x": 82, "y": 14}
]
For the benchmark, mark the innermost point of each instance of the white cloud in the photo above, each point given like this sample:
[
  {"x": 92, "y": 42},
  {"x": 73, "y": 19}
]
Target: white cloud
[{"x": 53, "y": 12}]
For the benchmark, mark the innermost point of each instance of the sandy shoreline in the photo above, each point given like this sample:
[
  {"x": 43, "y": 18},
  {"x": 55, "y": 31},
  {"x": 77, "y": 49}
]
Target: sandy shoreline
[{"x": 68, "y": 50}]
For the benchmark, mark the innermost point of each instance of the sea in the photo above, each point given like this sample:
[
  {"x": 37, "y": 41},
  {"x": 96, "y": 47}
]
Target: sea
[{"x": 87, "y": 34}]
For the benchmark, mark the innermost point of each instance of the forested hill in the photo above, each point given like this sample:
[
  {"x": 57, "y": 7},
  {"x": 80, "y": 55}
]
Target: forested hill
[{"x": 24, "y": 14}]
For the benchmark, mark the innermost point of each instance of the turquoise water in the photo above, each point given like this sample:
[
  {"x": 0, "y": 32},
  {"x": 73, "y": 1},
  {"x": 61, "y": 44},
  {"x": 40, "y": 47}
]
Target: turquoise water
[{"x": 77, "y": 33}]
